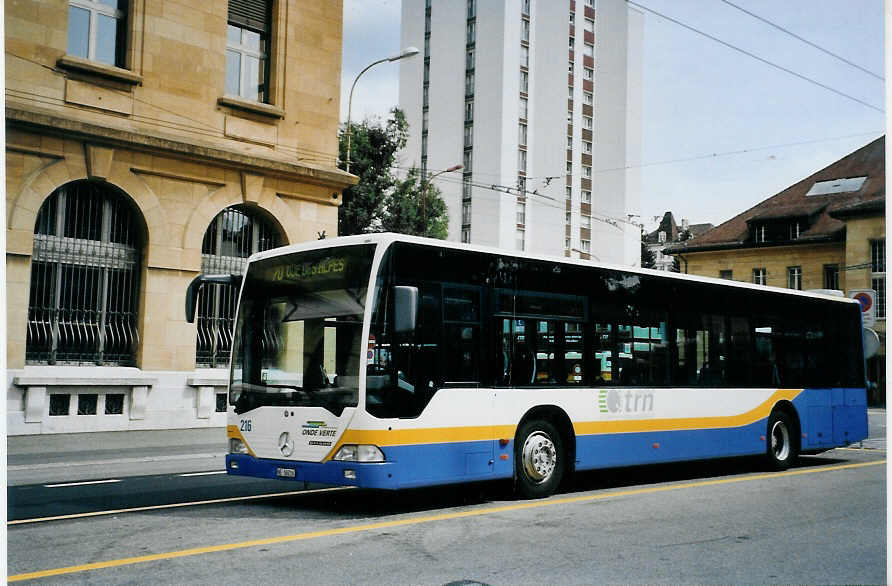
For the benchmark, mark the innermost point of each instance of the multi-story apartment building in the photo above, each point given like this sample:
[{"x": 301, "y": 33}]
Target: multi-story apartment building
[
  {"x": 540, "y": 102},
  {"x": 827, "y": 231},
  {"x": 149, "y": 141}
]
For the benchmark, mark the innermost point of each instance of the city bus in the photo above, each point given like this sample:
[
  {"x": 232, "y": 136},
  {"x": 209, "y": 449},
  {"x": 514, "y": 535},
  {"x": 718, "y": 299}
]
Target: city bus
[{"x": 387, "y": 361}]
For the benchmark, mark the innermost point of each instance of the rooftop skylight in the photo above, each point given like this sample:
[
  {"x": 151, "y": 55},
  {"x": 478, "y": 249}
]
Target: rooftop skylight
[{"x": 837, "y": 186}]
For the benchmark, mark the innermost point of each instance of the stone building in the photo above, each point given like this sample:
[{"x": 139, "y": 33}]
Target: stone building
[
  {"x": 147, "y": 142},
  {"x": 668, "y": 232},
  {"x": 827, "y": 231}
]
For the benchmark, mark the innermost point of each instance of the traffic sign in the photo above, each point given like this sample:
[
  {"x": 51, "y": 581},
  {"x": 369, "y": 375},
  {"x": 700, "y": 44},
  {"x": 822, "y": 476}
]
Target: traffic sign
[{"x": 867, "y": 299}]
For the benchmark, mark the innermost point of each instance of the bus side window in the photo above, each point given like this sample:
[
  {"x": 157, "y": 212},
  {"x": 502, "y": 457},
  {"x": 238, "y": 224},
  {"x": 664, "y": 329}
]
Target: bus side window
[
  {"x": 765, "y": 370},
  {"x": 574, "y": 352},
  {"x": 604, "y": 355},
  {"x": 740, "y": 353},
  {"x": 643, "y": 352},
  {"x": 504, "y": 352},
  {"x": 461, "y": 335},
  {"x": 547, "y": 367}
]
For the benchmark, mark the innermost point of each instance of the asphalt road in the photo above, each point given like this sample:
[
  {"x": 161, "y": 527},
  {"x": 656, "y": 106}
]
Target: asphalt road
[{"x": 716, "y": 522}]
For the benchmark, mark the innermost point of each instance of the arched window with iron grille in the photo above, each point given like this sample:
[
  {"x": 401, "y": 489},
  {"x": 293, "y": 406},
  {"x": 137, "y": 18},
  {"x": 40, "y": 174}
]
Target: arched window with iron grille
[
  {"x": 85, "y": 278},
  {"x": 232, "y": 236}
]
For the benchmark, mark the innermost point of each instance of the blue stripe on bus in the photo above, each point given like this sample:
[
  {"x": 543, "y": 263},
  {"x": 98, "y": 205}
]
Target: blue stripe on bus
[{"x": 829, "y": 418}]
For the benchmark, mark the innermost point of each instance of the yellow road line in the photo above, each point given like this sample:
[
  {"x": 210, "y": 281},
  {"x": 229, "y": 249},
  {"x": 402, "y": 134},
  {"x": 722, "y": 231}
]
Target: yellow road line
[
  {"x": 419, "y": 520},
  {"x": 175, "y": 505}
]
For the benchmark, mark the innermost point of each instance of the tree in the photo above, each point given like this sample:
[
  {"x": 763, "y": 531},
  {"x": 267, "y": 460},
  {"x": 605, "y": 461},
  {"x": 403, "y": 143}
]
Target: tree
[
  {"x": 372, "y": 156},
  {"x": 415, "y": 207},
  {"x": 648, "y": 258}
]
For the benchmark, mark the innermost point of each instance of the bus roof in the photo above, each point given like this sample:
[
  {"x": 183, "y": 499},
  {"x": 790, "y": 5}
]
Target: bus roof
[{"x": 391, "y": 237}]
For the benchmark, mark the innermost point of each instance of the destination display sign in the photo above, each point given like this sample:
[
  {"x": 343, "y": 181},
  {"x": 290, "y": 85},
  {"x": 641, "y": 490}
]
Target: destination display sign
[{"x": 292, "y": 272}]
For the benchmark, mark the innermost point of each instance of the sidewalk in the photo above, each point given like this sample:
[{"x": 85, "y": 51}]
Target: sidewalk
[{"x": 90, "y": 456}]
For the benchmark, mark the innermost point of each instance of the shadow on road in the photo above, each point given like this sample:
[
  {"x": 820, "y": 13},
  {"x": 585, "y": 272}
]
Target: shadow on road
[{"x": 374, "y": 504}]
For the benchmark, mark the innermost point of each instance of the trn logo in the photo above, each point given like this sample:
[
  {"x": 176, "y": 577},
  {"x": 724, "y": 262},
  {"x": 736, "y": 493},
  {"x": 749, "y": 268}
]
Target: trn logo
[{"x": 616, "y": 401}]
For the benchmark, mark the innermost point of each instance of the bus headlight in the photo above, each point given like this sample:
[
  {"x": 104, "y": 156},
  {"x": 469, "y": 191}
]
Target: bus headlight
[
  {"x": 359, "y": 453},
  {"x": 237, "y": 446}
]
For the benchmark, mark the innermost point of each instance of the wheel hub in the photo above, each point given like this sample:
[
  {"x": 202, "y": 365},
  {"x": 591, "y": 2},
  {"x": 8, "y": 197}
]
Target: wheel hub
[
  {"x": 539, "y": 457},
  {"x": 780, "y": 441}
]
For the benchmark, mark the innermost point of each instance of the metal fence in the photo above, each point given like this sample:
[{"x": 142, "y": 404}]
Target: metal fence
[
  {"x": 85, "y": 278},
  {"x": 235, "y": 234}
]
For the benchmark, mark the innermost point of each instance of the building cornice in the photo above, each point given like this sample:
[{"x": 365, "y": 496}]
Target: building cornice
[
  {"x": 148, "y": 141},
  {"x": 740, "y": 245},
  {"x": 872, "y": 208}
]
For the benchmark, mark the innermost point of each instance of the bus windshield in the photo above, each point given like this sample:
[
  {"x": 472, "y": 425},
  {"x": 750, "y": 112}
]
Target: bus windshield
[{"x": 297, "y": 336}]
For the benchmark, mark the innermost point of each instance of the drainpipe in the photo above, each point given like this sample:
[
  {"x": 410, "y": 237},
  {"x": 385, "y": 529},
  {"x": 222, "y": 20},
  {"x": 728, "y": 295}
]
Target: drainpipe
[{"x": 685, "y": 263}]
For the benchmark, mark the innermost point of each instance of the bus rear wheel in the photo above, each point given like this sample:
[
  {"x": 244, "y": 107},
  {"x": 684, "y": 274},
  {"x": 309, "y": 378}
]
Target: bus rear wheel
[
  {"x": 781, "y": 449},
  {"x": 539, "y": 459}
]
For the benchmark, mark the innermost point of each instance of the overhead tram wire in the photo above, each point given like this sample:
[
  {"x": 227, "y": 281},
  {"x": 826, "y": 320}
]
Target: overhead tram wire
[
  {"x": 756, "y": 57},
  {"x": 614, "y": 220},
  {"x": 595, "y": 215},
  {"x": 694, "y": 157},
  {"x": 806, "y": 41},
  {"x": 737, "y": 152}
]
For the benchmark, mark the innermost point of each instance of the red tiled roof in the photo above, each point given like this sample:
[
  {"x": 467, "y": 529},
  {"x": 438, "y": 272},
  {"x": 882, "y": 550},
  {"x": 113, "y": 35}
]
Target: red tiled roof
[{"x": 823, "y": 210}]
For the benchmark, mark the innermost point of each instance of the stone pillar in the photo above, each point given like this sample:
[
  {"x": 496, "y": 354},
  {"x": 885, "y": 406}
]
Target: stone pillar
[
  {"x": 35, "y": 401},
  {"x": 139, "y": 398},
  {"x": 168, "y": 341},
  {"x": 18, "y": 288},
  {"x": 207, "y": 402}
]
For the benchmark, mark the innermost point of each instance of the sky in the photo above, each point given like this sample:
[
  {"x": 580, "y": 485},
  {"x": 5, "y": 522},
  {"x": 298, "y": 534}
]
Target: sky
[{"x": 721, "y": 129}]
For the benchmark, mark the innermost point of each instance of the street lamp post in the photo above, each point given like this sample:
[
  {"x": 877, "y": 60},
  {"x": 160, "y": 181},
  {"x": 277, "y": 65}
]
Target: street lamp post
[
  {"x": 407, "y": 52},
  {"x": 425, "y": 183}
]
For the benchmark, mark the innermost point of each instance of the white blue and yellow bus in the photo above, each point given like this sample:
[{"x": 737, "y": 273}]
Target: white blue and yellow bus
[{"x": 386, "y": 361}]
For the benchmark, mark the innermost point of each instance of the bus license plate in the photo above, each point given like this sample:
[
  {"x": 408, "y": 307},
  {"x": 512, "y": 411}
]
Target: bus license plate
[{"x": 285, "y": 472}]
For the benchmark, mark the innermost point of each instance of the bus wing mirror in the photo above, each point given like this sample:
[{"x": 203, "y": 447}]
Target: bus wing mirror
[
  {"x": 405, "y": 301},
  {"x": 197, "y": 282}
]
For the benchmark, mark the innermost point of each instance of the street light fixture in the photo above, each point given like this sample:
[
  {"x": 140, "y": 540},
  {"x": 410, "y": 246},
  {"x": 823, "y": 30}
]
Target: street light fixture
[
  {"x": 425, "y": 183},
  {"x": 407, "y": 52}
]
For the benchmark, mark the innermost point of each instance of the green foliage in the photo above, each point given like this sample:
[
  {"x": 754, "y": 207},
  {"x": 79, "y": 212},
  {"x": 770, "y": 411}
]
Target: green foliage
[
  {"x": 415, "y": 207},
  {"x": 380, "y": 201},
  {"x": 372, "y": 156},
  {"x": 648, "y": 258}
]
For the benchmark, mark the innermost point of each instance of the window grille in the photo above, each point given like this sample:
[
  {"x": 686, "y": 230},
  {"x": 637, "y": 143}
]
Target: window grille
[
  {"x": 235, "y": 234},
  {"x": 85, "y": 277}
]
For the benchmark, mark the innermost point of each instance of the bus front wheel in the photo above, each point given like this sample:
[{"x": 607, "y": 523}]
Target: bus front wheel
[
  {"x": 538, "y": 459},
  {"x": 781, "y": 450}
]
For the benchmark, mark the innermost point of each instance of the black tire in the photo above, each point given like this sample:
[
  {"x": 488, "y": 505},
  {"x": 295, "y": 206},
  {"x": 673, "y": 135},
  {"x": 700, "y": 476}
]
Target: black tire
[
  {"x": 782, "y": 447},
  {"x": 539, "y": 459}
]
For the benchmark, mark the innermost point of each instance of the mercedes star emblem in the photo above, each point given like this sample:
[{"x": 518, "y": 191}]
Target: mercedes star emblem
[{"x": 286, "y": 444}]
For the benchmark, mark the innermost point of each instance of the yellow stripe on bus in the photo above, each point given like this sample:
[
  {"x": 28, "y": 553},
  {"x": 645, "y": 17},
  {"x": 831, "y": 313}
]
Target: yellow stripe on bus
[
  {"x": 438, "y": 435},
  {"x": 687, "y": 423}
]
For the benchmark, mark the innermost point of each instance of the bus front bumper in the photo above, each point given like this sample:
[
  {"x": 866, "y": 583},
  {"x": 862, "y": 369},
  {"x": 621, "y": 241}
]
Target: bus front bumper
[{"x": 378, "y": 475}]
